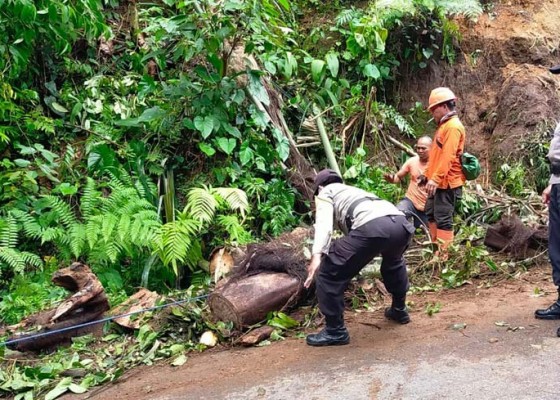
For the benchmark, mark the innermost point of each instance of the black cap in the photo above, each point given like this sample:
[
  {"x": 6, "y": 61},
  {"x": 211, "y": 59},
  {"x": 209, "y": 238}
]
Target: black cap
[
  {"x": 555, "y": 70},
  {"x": 324, "y": 177}
]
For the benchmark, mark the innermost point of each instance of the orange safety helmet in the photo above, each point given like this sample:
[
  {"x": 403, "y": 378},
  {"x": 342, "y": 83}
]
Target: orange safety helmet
[{"x": 440, "y": 95}]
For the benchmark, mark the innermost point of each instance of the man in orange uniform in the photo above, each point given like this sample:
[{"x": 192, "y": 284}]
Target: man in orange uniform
[
  {"x": 444, "y": 174},
  {"x": 414, "y": 202}
]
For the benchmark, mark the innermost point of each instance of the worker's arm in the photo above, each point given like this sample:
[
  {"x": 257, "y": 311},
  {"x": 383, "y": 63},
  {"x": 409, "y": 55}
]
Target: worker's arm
[
  {"x": 322, "y": 237},
  {"x": 396, "y": 178}
]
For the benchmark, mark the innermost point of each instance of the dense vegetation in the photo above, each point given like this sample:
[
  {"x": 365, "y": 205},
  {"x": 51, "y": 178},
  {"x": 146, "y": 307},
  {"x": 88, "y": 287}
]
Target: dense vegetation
[{"x": 131, "y": 136}]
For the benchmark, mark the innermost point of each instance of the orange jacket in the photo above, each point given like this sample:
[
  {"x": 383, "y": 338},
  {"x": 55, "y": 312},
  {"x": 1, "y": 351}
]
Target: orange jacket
[{"x": 444, "y": 166}]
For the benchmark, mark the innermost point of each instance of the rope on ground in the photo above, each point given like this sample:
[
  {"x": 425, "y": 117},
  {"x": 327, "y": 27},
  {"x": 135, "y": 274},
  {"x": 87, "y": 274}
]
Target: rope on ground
[{"x": 99, "y": 321}]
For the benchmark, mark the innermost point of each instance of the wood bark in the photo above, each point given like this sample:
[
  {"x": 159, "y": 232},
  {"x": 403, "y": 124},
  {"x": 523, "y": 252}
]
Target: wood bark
[
  {"x": 140, "y": 300},
  {"x": 87, "y": 303},
  {"x": 247, "y": 300},
  {"x": 300, "y": 171},
  {"x": 256, "y": 336}
]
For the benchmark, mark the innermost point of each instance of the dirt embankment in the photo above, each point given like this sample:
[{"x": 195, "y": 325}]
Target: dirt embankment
[{"x": 506, "y": 93}]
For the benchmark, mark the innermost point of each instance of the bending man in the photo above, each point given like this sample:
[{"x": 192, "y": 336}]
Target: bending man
[
  {"x": 414, "y": 201},
  {"x": 372, "y": 226}
]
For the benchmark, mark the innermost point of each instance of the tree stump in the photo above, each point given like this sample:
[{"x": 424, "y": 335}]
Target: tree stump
[
  {"x": 247, "y": 300},
  {"x": 87, "y": 303}
]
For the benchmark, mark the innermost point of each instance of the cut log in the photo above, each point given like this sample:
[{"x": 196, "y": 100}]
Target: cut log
[
  {"x": 87, "y": 303},
  {"x": 256, "y": 336},
  {"x": 247, "y": 300}
]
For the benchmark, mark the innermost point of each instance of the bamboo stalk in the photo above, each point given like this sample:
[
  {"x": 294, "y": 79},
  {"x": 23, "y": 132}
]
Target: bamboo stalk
[{"x": 326, "y": 143}]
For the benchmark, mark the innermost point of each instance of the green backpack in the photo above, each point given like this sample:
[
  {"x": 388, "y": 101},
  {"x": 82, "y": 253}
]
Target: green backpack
[{"x": 470, "y": 166}]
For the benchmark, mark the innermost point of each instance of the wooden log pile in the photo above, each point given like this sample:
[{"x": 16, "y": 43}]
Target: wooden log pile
[{"x": 88, "y": 302}]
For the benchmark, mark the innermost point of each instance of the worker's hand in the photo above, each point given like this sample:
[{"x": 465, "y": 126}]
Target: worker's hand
[
  {"x": 389, "y": 178},
  {"x": 546, "y": 194},
  {"x": 431, "y": 187},
  {"x": 312, "y": 269}
]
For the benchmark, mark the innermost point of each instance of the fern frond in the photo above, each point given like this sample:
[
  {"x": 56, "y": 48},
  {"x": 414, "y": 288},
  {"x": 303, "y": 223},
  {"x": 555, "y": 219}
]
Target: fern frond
[
  {"x": 62, "y": 209},
  {"x": 18, "y": 260},
  {"x": 90, "y": 199},
  {"x": 201, "y": 204},
  {"x": 124, "y": 227},
  {"x": 235, "y": 198},
  {"x": 234, "y": 228},
  {"x": 109, "y": 223},
  {"x": 471, "y": 9},
  {"x": 31, "y": 227},
  {"x": 78, "y": 239},
  {"x": 345, "y": 16},
  {"x": 52, "y": 234},
  {"x": 8, "y": 231},
  {"x": 93, "y": 230}
]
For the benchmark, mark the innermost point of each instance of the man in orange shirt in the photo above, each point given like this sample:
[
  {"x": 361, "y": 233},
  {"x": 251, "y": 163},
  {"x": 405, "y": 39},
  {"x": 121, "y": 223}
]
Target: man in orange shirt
[
  {"x": 414, "y": 201},
  {"x": 444, "y": 174}
]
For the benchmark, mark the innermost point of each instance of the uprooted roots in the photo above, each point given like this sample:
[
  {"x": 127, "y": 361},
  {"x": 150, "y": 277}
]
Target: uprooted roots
[{"x": 283, "y": 254}]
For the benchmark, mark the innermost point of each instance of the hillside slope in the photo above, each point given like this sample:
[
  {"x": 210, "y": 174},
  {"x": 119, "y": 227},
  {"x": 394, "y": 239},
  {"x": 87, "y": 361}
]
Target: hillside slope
[{"x": 506, "y": 94}]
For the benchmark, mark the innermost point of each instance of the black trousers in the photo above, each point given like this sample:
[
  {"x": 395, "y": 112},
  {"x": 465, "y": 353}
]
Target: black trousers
[
  {"x": 441, "y": 207},
  {"x": 388, "y": 236},
  {"x": 554, "y": 233}
]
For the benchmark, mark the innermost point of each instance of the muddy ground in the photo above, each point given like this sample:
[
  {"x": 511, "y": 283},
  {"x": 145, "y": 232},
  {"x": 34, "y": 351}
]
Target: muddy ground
[{"x": 502, "y": 353}]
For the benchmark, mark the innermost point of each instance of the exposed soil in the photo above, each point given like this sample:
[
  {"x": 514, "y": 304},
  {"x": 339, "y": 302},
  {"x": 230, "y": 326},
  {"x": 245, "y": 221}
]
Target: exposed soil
[
  {"x": 501, "y": 78},
  {"x": 280, "y": 370}
]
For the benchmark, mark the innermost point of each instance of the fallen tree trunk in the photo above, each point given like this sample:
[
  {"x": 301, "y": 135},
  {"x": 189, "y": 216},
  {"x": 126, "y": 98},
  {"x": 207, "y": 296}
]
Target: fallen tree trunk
[
  {"x": 87, "y": 303},
  {"x": 512, "y": 236},
  {"x": 246, "y": 301}
]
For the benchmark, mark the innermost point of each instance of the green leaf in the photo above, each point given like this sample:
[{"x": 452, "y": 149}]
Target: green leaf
[
  {"x": 58, "y": 107},
  {"x": 428, "y": 53},
  {"x": 246, "y": 154},
  {"x": 371, "y": 71},
  {"x": 333, "y": 64},
  {"x": 182, "y": 359},
  {"x": 317, "y": 69},
  {"x": 22, "y": 163},
  {"x": 290, "y": 65},
  {"x": 59, "y": 389},
  {"x": 78, "y": 389},
  {"x": 207, "y": 149},
  {"x": 285, "y": 4},
  {"x": 28, "y": 13},
  {"x": 204, "y": 125},
  {"x": 256, "y": 88},
  {"x": 67, "y": 189},
  {"x": 360, "y": 40},
  {"x": 227, "y": 145}
]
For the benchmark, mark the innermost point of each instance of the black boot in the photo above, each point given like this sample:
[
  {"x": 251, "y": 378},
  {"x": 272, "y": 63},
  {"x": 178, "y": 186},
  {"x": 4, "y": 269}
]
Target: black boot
[
  {"x": 334, "y": 334},
  {"x": 552, "y": 312},
  {"x": 398, "y": 312}
]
